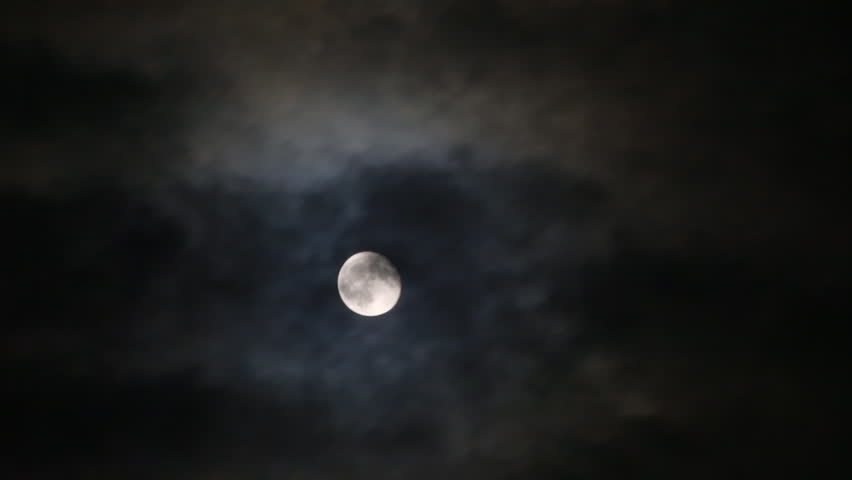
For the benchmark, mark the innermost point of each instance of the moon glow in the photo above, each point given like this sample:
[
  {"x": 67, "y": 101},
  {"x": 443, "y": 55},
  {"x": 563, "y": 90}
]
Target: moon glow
[{"x": 369, "y": 284}]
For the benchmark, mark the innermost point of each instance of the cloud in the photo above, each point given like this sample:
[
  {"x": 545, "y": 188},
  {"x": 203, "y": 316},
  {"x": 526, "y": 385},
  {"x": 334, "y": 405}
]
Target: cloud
[
  {"x": 527, "y": 339},
  {"x": 66, "y": 121},
  {"x": 585, "y": 251},
  {"x": 237, "y": 287}
]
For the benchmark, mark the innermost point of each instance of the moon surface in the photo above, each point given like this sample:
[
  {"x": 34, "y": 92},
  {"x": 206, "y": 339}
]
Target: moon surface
[{"x": 369, "y": 284}]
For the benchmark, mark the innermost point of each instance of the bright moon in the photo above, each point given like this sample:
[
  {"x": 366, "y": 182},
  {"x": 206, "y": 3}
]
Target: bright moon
[{"x": 369, "y": 284}]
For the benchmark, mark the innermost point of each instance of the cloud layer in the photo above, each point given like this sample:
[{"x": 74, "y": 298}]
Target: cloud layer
[{"x": 606, "y": 268}]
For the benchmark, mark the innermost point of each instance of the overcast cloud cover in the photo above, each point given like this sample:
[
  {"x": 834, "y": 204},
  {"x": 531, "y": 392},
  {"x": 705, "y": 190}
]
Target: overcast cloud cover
[{"x": 617, "y": 227}]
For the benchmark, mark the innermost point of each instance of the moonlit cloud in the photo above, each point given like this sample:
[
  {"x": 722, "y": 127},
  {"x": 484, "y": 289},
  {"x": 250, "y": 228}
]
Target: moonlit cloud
[{"x": 606, "y": 267}]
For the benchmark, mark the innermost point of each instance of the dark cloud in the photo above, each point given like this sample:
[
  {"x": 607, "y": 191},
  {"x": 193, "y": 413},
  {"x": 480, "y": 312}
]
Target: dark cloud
[
  {"x": 608, "y": 266},
  {"x": 45, "y": 93},
  {"x": 249, "y": 304},
  {"x": 66, "y": 120},
  {"x": 196, "y": 321}
]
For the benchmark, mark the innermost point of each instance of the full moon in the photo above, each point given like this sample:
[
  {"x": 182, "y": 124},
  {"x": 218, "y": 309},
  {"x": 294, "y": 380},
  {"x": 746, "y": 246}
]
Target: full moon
[{"x": 369, "y": 284}]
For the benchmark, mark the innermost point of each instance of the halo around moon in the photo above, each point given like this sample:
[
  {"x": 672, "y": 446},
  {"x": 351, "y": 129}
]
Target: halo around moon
[{"x": 369, "y": 284}]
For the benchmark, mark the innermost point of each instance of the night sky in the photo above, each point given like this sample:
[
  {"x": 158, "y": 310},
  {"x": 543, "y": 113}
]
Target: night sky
[{"x": 617, "y": 224}]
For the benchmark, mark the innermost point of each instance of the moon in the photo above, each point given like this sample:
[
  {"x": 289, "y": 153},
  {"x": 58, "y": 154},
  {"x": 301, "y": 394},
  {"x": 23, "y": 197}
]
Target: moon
[{"x": 369, "y": 284}]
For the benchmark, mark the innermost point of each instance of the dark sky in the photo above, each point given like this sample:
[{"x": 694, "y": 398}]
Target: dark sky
[{"x": 618, "y": 227}]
